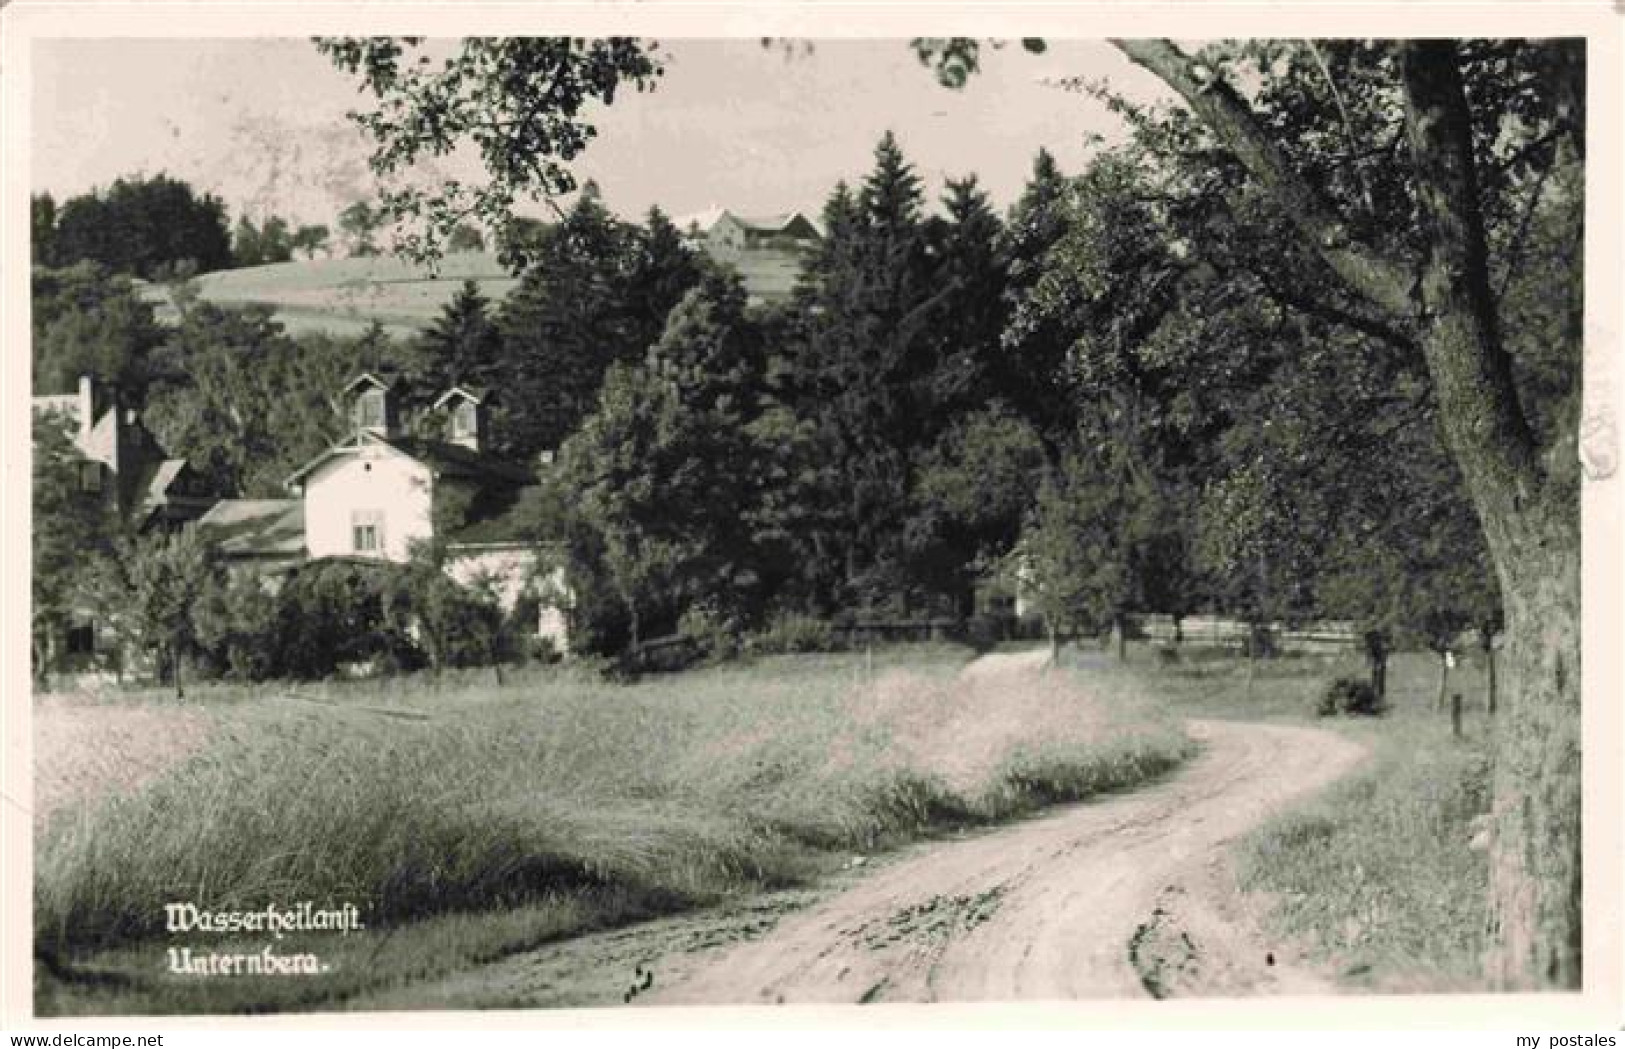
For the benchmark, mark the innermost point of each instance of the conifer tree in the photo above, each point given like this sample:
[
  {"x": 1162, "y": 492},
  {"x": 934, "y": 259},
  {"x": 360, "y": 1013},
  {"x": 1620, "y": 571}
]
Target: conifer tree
[
  {"x": 864, "y": 367},
  {"x": 1028, "y": 369},
  {"x": 461, "y": 347},
  {"x": 564, "y": 325}
]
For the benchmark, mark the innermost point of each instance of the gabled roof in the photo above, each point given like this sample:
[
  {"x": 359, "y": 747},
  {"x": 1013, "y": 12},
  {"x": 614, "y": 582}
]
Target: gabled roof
[
  {"x": 700, "y": 220},
  {"x": 477, "y": 394},
  {"x": 775, "y": 223},
  {"x": 442, "y": 457},
  {"x": 779, "y": 223},
  {"x": 255, "y": 527},
  {"x": 454, "y": 460},
  {"x": 383, "y": 383},
  {"x": 163, "y": 475},
  {"x": 513, "y": 525}
]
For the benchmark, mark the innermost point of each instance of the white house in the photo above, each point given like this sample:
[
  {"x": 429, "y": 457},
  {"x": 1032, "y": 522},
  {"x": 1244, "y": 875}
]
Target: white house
[
  {"x": 123, "y": 465},
  {"x": 767, "y": 250},
  {"x": 384, "y": 490}
]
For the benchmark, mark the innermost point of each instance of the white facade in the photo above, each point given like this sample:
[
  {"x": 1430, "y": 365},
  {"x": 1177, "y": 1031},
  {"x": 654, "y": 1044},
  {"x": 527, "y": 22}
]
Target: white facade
[
  {"x": 372, "y": 501},
  {"x": 510, "y": 571}
]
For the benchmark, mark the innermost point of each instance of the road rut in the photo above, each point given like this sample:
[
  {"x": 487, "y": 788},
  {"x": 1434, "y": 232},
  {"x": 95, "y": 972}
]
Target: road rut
[{"x": 1124, "y": 896}]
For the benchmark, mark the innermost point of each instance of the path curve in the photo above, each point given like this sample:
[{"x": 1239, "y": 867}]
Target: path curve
[{"x": 1124, "y": 896}]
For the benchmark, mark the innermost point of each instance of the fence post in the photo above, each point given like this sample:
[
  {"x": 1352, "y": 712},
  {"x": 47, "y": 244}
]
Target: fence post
[{"x": 1455, "y": 714}]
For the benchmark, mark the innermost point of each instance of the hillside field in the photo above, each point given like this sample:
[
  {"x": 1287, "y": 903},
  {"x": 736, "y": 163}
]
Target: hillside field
[{"x": 344, "y": 296}]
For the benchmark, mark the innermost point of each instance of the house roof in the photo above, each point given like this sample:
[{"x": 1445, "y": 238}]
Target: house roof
[
  {"x": 163, "y": 476},
  {"x": 442, "y": 457},
  {"x": 477, "y": 394},
  {"x": 775, "y": 223},
  {"x": 454, "y": 460},
  {"x": 384, "y": 383},
  {"x": 255, "y": 527},
  {"x": 513, "y": 525},
  {"x": 779, "y": 223}
]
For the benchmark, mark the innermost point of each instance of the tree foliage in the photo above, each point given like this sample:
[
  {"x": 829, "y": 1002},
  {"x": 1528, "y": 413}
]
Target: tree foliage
[
  {"x": 598, "y": 292},
  {"x": 143, "y": 227},
  {"x": 70, "y": 524},
  {"x": 522, "y": 102},
  {"x": 246, "y": 404},
  {"x": 90, "y": 321},
  {"x": 662, "y": 473},
  {"x": 148, "y": 590},
  {"x": 270, "y": 242}
]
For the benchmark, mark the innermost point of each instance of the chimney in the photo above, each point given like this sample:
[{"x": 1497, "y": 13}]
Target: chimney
[{"x": 87, "y": 408}]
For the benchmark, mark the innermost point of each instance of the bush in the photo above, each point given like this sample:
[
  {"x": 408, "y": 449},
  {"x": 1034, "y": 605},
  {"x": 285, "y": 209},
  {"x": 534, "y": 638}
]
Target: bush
[
  {"x": 332, "y": 613},
  {"x": 1349, "y": 695},
  {"x": 237, "y": 624},
  {"x": 537, "y": 649},
  {"x": 713, "y": 635},
  {"x": 984, "y": 631},
  {"x": 793, "y": 632}
]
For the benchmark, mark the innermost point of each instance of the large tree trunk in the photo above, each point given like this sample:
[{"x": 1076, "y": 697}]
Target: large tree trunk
[
  {"x": 1531, "y": 524},
  {"x": 1535, "y": 858},
  {"x": 1529, "y": 512}
]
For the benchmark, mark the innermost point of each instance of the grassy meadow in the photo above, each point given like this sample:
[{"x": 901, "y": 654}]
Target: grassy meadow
[
  {"x": 345, "y": 296},
  {"x": 469, "y": 820},
  {"x": 1378, "y": 876}
]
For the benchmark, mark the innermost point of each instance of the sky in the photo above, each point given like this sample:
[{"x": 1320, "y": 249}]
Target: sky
[{"x": 260, "y": 122}]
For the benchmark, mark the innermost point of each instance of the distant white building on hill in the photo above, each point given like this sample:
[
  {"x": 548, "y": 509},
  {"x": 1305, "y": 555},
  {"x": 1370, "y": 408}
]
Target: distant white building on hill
[
  {"x": 767, "y": 250},
  {"x": 380, "y": 493}
]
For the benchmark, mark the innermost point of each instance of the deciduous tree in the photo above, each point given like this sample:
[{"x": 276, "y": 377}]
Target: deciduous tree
[{"x": 143, "y": 227}]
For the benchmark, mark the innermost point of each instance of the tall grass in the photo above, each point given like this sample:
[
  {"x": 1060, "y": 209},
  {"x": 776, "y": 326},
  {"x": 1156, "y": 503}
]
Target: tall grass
[
  {"x": 661, "y": 794},
  {"x": 1381, "y": 874}
]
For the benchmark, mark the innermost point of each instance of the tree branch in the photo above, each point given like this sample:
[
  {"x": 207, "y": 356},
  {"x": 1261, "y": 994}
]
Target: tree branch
[
  {"x": 1384, "y": 281},
  {"x": 1321, "y": 307}
]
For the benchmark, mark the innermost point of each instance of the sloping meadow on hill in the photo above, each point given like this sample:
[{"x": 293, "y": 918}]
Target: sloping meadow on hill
[
  {"x": 466, "y": 820},
  {"x": 345, "y": 297}
]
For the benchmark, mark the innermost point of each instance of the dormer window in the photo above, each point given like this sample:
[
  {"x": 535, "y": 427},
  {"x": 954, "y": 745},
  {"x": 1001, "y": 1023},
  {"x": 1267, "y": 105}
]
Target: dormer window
[
  {"x": 372, "y": 406},
  {"x": 369, "y": 410},
  {"x": 464, "y": 415},
  {"x": 464, "y": 424}
]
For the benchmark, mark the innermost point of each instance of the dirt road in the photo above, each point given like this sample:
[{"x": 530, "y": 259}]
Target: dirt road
[{"x": 1122, "y": 897}]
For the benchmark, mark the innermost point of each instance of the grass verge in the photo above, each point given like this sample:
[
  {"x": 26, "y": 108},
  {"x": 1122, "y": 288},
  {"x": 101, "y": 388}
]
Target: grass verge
[{"x": 1378, "y": 876}]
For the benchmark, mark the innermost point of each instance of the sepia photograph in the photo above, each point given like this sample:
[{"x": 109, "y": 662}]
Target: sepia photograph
[{"x": 552, "y": 520}]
